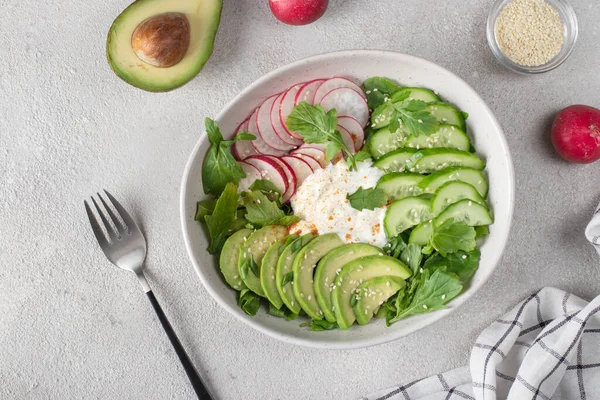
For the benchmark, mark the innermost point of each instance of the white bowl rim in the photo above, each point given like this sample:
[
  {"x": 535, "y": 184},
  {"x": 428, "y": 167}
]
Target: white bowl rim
[{"x": 364, "y": 342}]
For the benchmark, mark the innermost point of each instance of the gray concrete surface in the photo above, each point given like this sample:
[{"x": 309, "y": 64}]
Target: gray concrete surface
[{"x": 74, "y": 327}]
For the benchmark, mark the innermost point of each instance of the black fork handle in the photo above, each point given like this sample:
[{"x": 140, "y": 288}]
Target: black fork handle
[{"x": 201, "y": 390}]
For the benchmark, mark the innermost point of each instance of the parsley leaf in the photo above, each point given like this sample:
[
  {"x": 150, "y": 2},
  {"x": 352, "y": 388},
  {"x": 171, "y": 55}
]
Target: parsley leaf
[
  {"x": 452, "y": 236},
  {"x": 432, "y": 293},
  {"x": 367, "y": 198},
  {"x": 249, "y": 302},
  {"x": 463, "y": 264},
  {"x": 377, "y": 89},
  {"x": 318, "y": 325},
  {"x": 219, "y": 167},
  {"x": 261, "y": 211},
  {"x": 411, "y": 115},
  {"x": 395, "y": 246},
  {"x": 363, "y": 155},
  {"x": 222, "y": 219},
  {"x": 317, "y": 126},
  {"x": 204, "y": 208},
  {"x": 412, "y": 257}
]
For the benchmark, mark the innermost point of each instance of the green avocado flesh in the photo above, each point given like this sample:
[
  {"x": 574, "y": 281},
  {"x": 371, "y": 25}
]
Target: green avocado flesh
[{"x": 203, "y": 17}]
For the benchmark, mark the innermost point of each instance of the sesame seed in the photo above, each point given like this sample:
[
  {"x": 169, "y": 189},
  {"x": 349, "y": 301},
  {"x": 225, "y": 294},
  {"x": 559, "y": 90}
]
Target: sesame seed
[
  {"x": 443, "y": 297},
  {"x": 309, "y": 297},
  {"x": 425, "y": 306}
]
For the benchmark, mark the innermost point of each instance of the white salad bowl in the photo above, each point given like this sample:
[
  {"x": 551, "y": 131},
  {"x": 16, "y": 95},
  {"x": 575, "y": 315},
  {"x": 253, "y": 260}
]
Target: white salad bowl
[{"x": 483, "y": 129}]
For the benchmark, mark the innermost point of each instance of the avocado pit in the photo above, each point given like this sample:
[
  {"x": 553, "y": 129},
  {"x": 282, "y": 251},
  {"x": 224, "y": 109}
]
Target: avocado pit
[{"x": 162, "y": 40}]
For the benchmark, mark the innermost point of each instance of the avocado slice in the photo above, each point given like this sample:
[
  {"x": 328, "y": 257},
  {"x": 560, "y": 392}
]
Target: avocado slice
[
  {"x": 284, "y": 267},
  {"x": 230, "y": 255},
  {"x": 255, "y": 249},
  {"x": 372, "y": 293},
  {"x": 328, "y": 268},
  {"x": 304, "y": 266},
  {"x": 159, "y": 45},
  {"x": 268, "y": 269},
  {"x": 354, "y": 274}
]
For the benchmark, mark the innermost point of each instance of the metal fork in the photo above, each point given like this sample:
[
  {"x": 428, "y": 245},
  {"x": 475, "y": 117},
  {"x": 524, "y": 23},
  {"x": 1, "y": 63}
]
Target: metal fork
[{"x": 126, "y": 248}]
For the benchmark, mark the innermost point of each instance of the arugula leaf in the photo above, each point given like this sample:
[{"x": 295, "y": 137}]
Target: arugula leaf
[
  {"x": 249, "y": 302},
  {"x": 261, "y": 211},
  {"x": 377, "y": 89},
  {"x": 267, "y": 187},
  {"x": 367, "y": 198},
  {"x": 289, "y": 277},
  {"x": 461, "y": 263},
  {"x": 363, "y": 155},
  {"x": 453, "y": 236},
  {"x": 395, "y": 246},
  {"x": 412, "y": 257},
  {"x": 204, "y": 208},
  {"x": 432, "y": 293},
  {"x": 319, "y": 325},
  {"x": 409, "y": 114},
  {"x": 317, "y": 126},
  {"x": 283, "y": 312},
  {"x": 219, "y": 167},
  {"x": 223, "y": 217}
]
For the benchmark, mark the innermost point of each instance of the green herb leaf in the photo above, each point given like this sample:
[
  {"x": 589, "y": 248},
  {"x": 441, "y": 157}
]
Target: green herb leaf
[
  {"x": 319, "y": 325},
  {"x": 289, "y": 277},
  {"x": 244, "y": 270},
  {"x": 367, "y": 198},
  {"x": 317, "y": 126},
  {"x": 283, "y": 312},
  {"x": 297, "y": 245},
  {"x": 412, "y": 257},
  {"x": 377, "y": 89},
  {"x": 219, "y": 167},
  {"x": 204, "y": 208},
  {"x": 332, "y": 149},
  {"x": 432, "y": 293},
  {"x": 261, "y": 211},
  {"x": 353, "y": 300},
  {"x": 264, "y": 186},
  {"x": 481, "y": 231},
  {"x": 252, "y": 265},
  {"x": 411, "y": 113},
  {"x": 223, "y": 217},
  {"x": 463, "y": 264},
  {"x": 453, "y": 236},
  {"x": 395, "y": 246},
  {"x": 288, "y": 240},
  {"x": 249, "y": 302},
  {"x": 363, "y": 155}
]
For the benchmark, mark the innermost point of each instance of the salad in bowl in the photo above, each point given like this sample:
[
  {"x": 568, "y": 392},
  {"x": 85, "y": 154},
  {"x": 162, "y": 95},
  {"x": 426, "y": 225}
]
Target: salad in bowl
[{"x": 345, "y": 205}]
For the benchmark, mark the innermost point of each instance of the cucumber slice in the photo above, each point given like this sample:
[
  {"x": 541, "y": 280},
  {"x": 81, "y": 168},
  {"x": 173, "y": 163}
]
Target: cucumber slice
[
  {"x": 415, "y": 93},
  {"x": 448, "y": 136},
  {"x": 467, "y": 211},
  {"x": 256, "y": 246},
  {"x": 268, "y": 269},
  {"x": 395, "y": 161},
  {"x": 284, "y": 267},
  {"x": 372, "y": 293},
  {"x": 447, "y": 114},
  {"x": 381, "y": 117},
  {"x": 452, "y": 192},
  {"x": 383, "y": 141},
  {"x": 230, "y": 255},
  {"x": 421, "y": 234},
  {"x": 471, "y": 176},
  {"x": 397, "y": 185},
  {"x": 404, "y": 214},
  {"x": 329, "y": 267},
  {"x": 431, "y": 160}
]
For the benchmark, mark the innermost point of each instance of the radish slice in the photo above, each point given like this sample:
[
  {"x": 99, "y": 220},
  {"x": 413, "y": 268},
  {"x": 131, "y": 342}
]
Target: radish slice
[
  {"x": 243, "y": 148},
  {"x": 265, "y": 129},
  {"x": 348, "y": 140},
  {"x": 287, "y": 104},
  {"x": 314, "y": 153},
  {"x": 252, "y": 174},
  {"x": 347, "y": 102},
  {"x": 312, "y": 161},
  {"x": 291, "y": 178},
  {"x": 301, "y": 168},
  {"x": 259, "y": 144},
  {"x": 353, "y": 127},
  {"x": 270, "y": 171},
  {"x": 323, "y": 148},
  {"x": 307, "y": 92},
  {"x": 335, "y": 83},
  {"x": 278, "y": 127}
]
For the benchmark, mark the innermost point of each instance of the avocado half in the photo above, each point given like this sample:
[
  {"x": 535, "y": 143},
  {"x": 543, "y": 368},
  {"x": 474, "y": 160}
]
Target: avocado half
[{"x": 182, "y": 31}]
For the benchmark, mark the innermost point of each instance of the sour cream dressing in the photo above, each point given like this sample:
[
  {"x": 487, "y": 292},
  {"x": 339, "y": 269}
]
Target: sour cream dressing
[{"x": 322, "y": 205}]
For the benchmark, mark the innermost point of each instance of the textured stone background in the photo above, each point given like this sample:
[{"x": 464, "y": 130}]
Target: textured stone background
[{"x": 72, "y": 326}]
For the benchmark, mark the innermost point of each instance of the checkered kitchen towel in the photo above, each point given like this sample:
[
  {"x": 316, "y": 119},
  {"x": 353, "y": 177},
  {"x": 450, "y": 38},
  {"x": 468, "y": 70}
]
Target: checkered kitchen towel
[{"x": 547, "y": 347}]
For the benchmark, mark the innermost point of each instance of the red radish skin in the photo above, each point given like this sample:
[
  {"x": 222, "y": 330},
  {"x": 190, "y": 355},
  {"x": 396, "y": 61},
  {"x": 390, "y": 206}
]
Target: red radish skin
[
  {"x": 576, "y": 134},
  {"x": 298, "y": 12}
]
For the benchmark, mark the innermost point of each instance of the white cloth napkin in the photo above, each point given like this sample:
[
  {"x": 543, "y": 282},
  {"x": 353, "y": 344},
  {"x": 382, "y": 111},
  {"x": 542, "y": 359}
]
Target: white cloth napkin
[{"x": 547, "y": 347}]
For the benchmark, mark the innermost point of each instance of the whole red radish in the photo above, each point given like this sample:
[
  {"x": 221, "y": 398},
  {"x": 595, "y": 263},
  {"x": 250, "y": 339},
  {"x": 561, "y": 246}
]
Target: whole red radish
[
  {"x": 576, "y": 134},
  {"x": 298, "y": 12}
]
